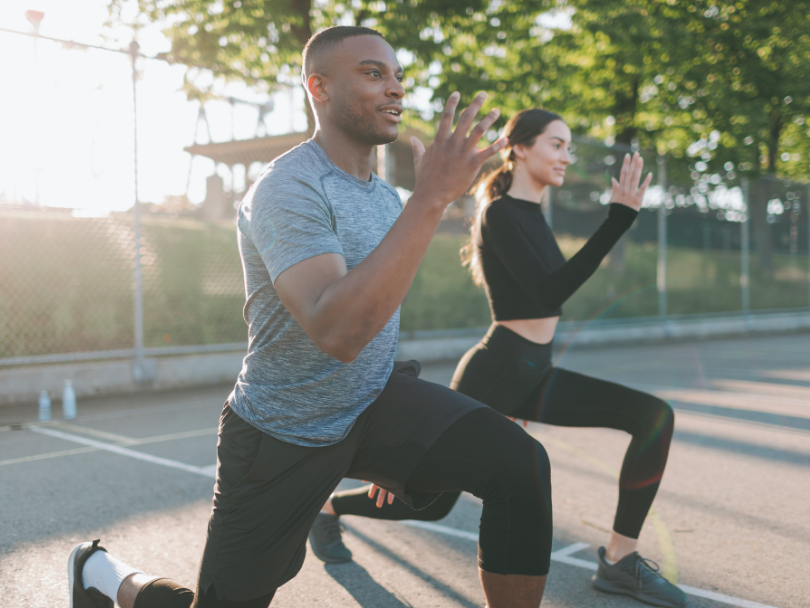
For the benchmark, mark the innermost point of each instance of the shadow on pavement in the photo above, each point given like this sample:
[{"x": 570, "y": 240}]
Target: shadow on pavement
[
  {"x": 790, "y": 422},
  {"x": 362, "y": 587},
  {"x": 743, "y": 447},
  {"x": 436, "y": 584}
]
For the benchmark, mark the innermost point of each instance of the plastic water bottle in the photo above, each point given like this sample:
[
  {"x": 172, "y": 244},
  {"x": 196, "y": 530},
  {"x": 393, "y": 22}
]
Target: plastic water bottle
[
  {"x": 69, "y": 401},
  {"x": 44, "y": 406}
]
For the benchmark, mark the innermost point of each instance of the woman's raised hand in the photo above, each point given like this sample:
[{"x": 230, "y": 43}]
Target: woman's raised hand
[{"x": 627, "y": 191}]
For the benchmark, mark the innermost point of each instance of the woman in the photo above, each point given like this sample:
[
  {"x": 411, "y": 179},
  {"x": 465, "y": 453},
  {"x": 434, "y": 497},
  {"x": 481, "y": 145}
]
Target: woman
[{"x": 514, "y": 256}]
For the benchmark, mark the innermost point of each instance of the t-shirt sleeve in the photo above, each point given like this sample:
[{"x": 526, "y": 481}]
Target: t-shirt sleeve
[{"x": 290, "y": 222}]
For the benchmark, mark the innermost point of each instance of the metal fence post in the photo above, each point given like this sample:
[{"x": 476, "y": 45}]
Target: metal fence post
[
  {"x": 661, "y": 277},
  {"x": 745, "y": 246},
  {"x": 139, "y": 373},
  {"x": 807, "y": 210}
]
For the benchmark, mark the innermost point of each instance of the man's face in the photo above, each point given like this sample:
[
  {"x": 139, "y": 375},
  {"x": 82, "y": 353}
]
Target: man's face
[{"x": 365, "y": 90}]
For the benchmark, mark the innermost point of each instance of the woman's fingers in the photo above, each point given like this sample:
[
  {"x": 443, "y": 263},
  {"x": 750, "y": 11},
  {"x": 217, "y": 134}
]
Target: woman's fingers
[
  {"x": 623, "y": 173},
  {"x": 635, "y": 176},
  {"x": 616, "y": 193},
  {"x": 642, "y": 191}
]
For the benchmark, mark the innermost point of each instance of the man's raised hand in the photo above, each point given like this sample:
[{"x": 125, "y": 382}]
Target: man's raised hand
[{"x": 445, "y": 170}]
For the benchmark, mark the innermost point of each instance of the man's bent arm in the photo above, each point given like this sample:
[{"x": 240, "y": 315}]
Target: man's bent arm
[{"x": 342, "y": 311}]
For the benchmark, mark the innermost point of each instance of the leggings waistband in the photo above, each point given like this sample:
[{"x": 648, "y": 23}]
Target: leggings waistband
[{"x": 503, "y": 341}]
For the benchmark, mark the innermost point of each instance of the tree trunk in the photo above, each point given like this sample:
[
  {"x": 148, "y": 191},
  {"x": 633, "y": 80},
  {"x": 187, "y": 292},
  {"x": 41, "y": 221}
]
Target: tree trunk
[
  {"x": 625, "y": 111},
  {"x": 302, "y": 33},
  {"x": 761, "y": 193}
]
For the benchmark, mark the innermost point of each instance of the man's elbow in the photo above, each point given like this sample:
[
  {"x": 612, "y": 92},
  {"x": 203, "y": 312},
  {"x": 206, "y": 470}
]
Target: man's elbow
[{"x": 340, "y": 349}]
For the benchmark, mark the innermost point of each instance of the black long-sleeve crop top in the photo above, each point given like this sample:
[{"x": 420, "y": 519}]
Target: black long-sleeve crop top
[{"x": 525, "y": 272}]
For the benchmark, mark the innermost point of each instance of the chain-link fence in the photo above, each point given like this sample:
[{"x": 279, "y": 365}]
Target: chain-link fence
[{"x": 122, "y": 278}]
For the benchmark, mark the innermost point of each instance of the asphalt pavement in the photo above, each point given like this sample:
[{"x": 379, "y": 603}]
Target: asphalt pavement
[{"x": 731, "y": 523}]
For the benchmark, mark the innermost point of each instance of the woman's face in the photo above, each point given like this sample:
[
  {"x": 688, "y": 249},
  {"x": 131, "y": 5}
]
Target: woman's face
[{"x": 547, "y": 159}]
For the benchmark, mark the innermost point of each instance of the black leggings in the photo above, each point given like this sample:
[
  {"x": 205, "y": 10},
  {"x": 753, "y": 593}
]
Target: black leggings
[{"x": 514, "y": 376}]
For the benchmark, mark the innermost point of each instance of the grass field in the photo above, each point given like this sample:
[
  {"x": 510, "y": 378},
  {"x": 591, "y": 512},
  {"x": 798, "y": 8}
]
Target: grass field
[
  {"x": 443, "y": 295},
  {"x": 67, "y": 285}
]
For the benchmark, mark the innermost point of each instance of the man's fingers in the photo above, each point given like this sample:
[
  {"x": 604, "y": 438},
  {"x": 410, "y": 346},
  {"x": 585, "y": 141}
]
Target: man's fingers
[
  {"x": 390, "y": 498},
  {"x": 482, "y": 127},
  {"x": 467, "y": 116},
  {"x": 486, "y": 153},
  {"x": 418, "y": 150},
  {"x": 372, "y": 490},
  {"x": 380, "y": 499},
  {"x": 446, "y": 123}
]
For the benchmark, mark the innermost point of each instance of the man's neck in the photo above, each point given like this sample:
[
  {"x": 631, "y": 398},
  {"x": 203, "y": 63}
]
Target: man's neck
[{"x": 353, "y": 157}]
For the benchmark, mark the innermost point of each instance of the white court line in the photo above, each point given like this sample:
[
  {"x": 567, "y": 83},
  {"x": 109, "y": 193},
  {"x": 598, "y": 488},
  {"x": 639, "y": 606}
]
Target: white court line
[
  {"x": 205, "y": 471},
  {"x": 563, "y": 555}
]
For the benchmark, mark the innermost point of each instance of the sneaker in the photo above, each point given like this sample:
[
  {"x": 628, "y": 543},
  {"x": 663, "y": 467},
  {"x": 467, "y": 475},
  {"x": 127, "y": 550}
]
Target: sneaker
[
  {"x": 637, "y": 577},
  {"x": 325, "y": 538},
  {"x": 79, "y": 596}
]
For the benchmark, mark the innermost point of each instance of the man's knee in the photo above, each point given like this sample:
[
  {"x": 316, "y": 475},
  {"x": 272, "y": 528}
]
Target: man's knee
[{"x": 523, "y": 474}]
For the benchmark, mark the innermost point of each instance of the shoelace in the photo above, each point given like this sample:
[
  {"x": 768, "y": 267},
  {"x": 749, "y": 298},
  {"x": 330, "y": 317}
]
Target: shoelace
[
  {"x": 644, "y": 570},
  {"x": 333, "y": 532}
]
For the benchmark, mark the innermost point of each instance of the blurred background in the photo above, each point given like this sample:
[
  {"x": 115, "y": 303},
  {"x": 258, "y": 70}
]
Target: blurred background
[{"x": 130, "y": 130}]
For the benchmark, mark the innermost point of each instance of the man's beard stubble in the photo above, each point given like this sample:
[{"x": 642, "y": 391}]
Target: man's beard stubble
[{"x": 358, "y": 126}]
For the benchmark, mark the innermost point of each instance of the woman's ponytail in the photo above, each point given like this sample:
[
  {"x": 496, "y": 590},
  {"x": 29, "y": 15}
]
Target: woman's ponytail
[{"x": 523, "y": 128}]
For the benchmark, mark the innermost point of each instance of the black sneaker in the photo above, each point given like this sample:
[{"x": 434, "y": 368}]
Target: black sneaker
[
  {"x": 637, "y": 577},
  {"x": 79, "y": 596},
  {"x": 326, "y": 540}
]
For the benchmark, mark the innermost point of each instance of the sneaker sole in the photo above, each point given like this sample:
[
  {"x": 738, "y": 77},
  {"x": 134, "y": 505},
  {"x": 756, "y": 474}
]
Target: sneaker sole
[
  {"x": 606, "y": 586},
  {"x": 325, "y": 558},
  {"x": 71, "y": 573}
]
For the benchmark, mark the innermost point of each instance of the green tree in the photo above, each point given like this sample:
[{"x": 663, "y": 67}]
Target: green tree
[{"x": 742, "y": 74}]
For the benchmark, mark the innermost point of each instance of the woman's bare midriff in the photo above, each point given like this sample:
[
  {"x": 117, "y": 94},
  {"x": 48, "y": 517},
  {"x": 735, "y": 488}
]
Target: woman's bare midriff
[{"x": 540, "y": 331}]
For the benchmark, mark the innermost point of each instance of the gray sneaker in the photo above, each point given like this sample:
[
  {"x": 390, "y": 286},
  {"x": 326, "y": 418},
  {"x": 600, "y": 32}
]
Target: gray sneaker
[
  {"x": 637, "y": 577},
  {"x": 325, "y": 538}
]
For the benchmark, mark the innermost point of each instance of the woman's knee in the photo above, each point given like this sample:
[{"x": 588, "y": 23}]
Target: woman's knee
[{"x": 654, "y": 417}]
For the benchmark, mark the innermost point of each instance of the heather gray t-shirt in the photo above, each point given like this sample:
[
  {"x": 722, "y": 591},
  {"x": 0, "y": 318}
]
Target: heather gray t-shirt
[{"x": 304, "y": 205}]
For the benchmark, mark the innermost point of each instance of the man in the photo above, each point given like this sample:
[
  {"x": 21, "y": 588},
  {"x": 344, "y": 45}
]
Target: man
[{"x": 328, "y": 255}]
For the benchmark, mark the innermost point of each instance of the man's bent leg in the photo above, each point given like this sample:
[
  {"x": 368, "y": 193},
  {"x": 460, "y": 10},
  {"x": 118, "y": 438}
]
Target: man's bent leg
[
  {"x": 487, "y": 455},
  {"x": 139, "y": 591},
  {"x": 267, "y": 496}
]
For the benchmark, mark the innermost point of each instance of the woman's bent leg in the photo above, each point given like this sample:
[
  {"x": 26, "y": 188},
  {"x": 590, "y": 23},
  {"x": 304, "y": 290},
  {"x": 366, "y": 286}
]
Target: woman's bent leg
[
  {"x": 570, "y": 399},
  {"x": 357, "y": 502}
]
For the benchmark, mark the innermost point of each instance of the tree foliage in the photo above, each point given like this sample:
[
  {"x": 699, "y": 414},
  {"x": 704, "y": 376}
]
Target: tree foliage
[{"x": 717, "y": 81}]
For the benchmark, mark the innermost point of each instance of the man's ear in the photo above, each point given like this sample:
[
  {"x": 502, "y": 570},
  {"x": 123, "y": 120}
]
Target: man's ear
[{"x": 316, "y": 87}]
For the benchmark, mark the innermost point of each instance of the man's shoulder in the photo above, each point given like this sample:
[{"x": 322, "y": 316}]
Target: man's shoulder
[{"x": 293, "y": 176}]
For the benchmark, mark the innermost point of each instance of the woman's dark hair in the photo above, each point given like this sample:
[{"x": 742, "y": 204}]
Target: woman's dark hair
[{"x": 523, "y": 128}]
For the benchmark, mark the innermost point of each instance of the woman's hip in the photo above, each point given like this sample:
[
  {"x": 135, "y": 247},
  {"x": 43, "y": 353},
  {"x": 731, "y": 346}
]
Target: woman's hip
[{"x": 502, "y": 370}]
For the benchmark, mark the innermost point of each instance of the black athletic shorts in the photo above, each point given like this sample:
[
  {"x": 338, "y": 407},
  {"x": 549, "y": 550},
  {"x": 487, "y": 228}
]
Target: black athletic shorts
[{"x": 268, "y": 492}]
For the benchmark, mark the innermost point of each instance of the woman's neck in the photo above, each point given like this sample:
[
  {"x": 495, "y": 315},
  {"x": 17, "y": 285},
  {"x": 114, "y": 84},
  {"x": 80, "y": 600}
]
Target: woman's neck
[{"x": 525, "y": 187}]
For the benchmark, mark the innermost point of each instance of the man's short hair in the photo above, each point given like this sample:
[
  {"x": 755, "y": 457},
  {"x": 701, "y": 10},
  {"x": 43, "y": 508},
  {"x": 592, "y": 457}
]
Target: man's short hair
[{"x": 321, "y": 44}]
